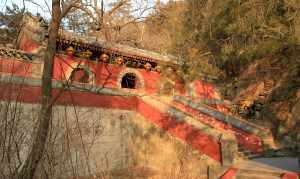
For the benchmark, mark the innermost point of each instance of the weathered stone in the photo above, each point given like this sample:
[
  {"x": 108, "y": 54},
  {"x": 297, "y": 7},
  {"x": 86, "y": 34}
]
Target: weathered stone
[
  {"x": 229, "y": 149},
  {"x": 246, "y": 99}
]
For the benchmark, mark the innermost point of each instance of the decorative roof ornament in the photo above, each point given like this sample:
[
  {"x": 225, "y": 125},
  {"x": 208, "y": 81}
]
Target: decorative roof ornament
[
  {"x": 147, "y": 66},
  {"x": 158, "y": 69},
  {"x": 117, "y": 49},
  {"x": 70, "y": 51},
  {"x": 104, "y": 58},
  {"x": 86, "y": 54},
  {"x": 119, "y": 61}
]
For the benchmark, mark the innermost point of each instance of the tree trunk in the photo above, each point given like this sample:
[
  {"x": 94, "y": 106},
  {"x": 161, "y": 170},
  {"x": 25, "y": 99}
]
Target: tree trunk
[{"x": 40, "y": 137}]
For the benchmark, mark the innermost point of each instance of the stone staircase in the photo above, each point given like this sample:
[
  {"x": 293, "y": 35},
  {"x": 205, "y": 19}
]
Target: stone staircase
[
  {"x": 227, "y": 148},
  {"x": 231, "y": 158},
  {"x": 220, "y": 116},
  {"x": 254, "y": 174},
  {"x": 247, "y": 169},
  {"x": 244, "y": 153},
  {"x": 249, "y": 135},
  {"x": 268, "y": 86}
]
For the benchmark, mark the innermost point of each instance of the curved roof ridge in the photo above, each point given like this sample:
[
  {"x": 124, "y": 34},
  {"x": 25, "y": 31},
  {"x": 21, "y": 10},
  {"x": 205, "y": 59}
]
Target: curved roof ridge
[{"x": 121, "y": 48}]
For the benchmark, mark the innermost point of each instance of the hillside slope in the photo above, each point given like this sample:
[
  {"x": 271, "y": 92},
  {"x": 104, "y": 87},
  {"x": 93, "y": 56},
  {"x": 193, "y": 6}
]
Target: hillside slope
[{"x": 267, "y": 92}]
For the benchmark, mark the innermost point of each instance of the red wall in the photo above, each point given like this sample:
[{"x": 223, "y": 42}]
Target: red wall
[
  {"x": 106, "y": 75},
  {"x": 15, "y": 67},
  {"x": 186, "y": 133},
  {"x": 28, "y": 45},
  {"x": 205, "y": 90}
]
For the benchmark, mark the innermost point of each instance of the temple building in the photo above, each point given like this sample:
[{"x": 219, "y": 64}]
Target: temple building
[
  {"x": 137, "y": 114},
  {"x": 88, "y": 60}
]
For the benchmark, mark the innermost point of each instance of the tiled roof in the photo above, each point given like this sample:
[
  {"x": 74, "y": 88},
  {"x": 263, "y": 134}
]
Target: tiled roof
[
  {"x": 13, "y": 53},
  {"x": 109, "y": 47}
]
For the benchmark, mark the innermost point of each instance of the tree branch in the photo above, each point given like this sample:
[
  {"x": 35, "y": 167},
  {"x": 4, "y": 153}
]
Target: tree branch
[{"x": 67, "y": 6}]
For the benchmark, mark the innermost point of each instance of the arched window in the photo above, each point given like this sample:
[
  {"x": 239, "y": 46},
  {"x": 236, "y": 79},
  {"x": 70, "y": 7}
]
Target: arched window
[
  {"x": 129, "y": 80},
  {"x": 80, "y": 75}
]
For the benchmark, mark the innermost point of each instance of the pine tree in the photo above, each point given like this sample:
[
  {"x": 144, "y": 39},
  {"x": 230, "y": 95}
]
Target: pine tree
[
  {"x": 10, "y": 22},
  {"x": 237, "y": 31}
]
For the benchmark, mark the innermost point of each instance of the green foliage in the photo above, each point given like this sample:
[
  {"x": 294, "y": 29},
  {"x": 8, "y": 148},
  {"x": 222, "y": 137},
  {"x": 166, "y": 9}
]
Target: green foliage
[
  {"x": 163, "y": 28},
  {"x": 10, "y": 21},
  {"x": 238, "y": 31}
]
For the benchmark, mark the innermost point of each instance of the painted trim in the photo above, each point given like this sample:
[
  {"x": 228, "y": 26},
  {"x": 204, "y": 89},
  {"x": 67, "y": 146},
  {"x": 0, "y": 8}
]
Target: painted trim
[
  {"x": 290, "y": 176},
  {"x": 229, "y": 174}
]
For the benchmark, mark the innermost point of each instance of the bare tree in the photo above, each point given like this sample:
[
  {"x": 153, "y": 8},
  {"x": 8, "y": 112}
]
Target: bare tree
[
  {"x": 59, "y": 10},
  {"x": 119, "y": 23}
]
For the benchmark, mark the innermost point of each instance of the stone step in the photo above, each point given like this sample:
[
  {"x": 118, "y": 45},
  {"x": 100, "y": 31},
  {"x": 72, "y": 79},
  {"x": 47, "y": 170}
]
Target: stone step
[
  {"x": 229, "y": 119},
  {"x": 244, "y": 153},
  {"x": 268, "y": 86},
  {"x": 253, "y": 168},
  {"x": 255, "y": 176},
  {"x": 242, "y": 149},
  {"x": 258, "y": 172},
  {"x": 249, "y": 156}
]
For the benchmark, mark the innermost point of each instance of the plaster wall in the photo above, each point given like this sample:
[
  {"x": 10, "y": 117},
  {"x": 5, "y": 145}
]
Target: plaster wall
[{"x": 85, "y": 141}]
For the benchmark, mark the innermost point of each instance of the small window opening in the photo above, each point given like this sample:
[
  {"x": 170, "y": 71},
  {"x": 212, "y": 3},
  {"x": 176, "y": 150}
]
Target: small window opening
[
  {"x": 168, "y": 88},
  {"x": 129, "y": 80},
  {"x": 80, "y": 75}
]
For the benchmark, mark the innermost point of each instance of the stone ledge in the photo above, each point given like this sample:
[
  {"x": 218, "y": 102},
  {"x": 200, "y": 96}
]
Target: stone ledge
[{"x": 244, "y": 125}]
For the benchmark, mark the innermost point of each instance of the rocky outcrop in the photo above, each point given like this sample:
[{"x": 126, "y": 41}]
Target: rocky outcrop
[{"x": 266, "y": 93}]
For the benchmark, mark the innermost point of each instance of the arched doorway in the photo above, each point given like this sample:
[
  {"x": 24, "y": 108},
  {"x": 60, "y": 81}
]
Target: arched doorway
[{"x": 129, "y": 80}]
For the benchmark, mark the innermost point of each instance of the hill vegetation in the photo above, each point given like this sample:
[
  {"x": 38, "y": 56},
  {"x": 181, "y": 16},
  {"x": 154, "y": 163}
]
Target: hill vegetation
[{"x": 252, "y": 46}]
